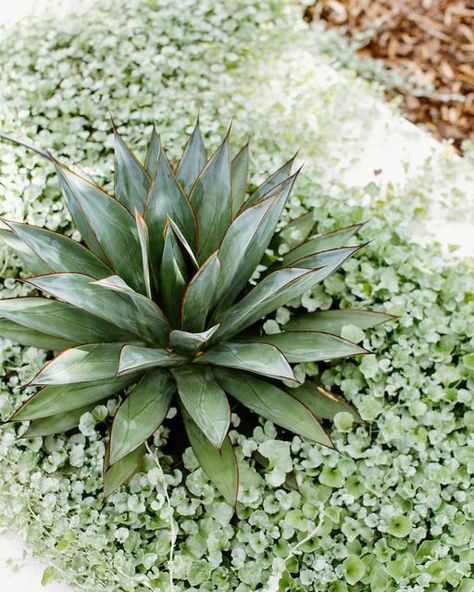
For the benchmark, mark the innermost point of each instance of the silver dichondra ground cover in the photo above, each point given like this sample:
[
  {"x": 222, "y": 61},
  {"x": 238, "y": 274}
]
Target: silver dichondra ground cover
[{"x": 391, "y": 510}]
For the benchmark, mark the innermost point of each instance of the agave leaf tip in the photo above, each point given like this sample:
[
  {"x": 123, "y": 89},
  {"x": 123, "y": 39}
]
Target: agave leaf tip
[{"x": 26, "y": 145}]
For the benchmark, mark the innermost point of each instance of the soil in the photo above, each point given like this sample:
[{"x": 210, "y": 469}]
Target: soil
[{"x": 430, "y": 42}]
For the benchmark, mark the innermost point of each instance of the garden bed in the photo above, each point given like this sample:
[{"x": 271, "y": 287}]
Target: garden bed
[{"x": 391, "y": 510}]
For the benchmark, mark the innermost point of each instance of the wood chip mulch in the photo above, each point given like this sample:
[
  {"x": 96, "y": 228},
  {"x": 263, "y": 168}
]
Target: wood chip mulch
[{"x": 428, "y": 41}]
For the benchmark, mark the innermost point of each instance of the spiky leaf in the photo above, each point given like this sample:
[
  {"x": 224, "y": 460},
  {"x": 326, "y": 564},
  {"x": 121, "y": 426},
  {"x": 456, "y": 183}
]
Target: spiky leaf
[
  {"x": 273, "y": 403},
  {"x": 327, "y": 258},
  {"x": 271, "y": 182},
  {"x": 139, "y": 316},
  {"x": 173, "y": 276},
  {"x": 297, "y": 231},
  {"x": 260, "y": 358},
  {"x": 219, "y": 465},
  {"x": 82, "y": 222},
  {"x": 131, "y": 179},
  {"x": 200, "y": 295},
  {"x": 152, "y": 153},
  {"x": 32, "y": 338},
  {"x": 186, "y": 247},
  {"x": 58, "y": 252},
  {"x": 190, "y": 342},
  {"x": 323, "y": 242},
  {"x": 111, "y": 225},
  {"x": 56, "y": 424},
  {"x": 246, "y": 240},
  {"x": 52, "y": 400},
  {"x": 85, "y": 363},
  {"x": 144, "y": 239},
  {"x": 61, "y": 320},
  {"x": 120, "y": 472},
  {"x": 147, "y": 308},
  {"x": 167, "y": 199},
  {"x": 212, "y": 200},
  {"x": 205, "y": 401},
  {"x": 192, "y": 161},
  {"x": 239, "y": 178},
  {"x": 272, "y": 292},
  {"x": 141, "y": 413},
  {"x": 22, "y": 251},
  {"x": 322, "y": 402},
  {"x": 311, "y": 346},
  {"x": 136, "y": 358}
]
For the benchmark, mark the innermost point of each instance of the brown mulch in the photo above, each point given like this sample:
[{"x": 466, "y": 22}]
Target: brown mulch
[{"x": 428, "y": 41}]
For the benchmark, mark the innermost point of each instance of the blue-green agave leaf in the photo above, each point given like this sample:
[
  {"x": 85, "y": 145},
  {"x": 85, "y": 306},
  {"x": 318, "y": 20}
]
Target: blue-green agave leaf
[
  {"x": 297, "y": 231},
  {"x": 146, "y": 310},
  {"x": 273, "y": 180},
  {"x": 239, "y": 178},
  {"x": 219, "y": 465},
  {"x": 192, "y": 161},
  {"x": 81, "y": 221},
  {"x": 183, "y": 242},
  {"x": 311, "y": 346},
  {"x": 323, "y": 242},
  {"x": 246, "y": 240},
  {"x": 84, "y": 363},
  {"x": 166, "y": 198},
  {"x": 152, "y": 153},
  {"x": 273, "y": 403},
  {"x": 141, "y": 413},
  {"x": 144, "y": 239},
  {"x": 322, "y": 402},
  {"x": 270, "y": 293},
  {"x": 173, "y": 276},
  {"x": 260, "y": 358},
  {"x": 58, "y": 252},
  {"x": 190, "y": 342},
  {"x": 211, "y": 199},
  {"x": 61, "y": 320},
  {"x": 134, "y": 358},
  {"x": 131, "y": 179},
  {"x": 56, "y": 424},
  {"x": 32, "y": 338},
  {"x": 205, "y": 401},
  {"x": 120, "y": 472},
  {"x": 110, "y": 223},
  {"x": 53, "y": 400},
  {"x": 200, "y": 295},
  {"x": 29, "y": 259},
  {"x": 128, "y": 310},
  {"x": 327, "y": 258}
]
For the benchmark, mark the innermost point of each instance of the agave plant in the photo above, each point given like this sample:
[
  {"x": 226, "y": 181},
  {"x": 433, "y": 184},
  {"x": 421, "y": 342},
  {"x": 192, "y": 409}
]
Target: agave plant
[{"x": 160, "y": 303}]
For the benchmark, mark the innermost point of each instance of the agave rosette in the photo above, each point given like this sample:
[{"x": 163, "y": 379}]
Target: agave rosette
[{"x": 156, "y": 305}]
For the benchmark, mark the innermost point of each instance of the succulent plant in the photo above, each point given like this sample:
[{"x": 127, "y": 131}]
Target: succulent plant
[{"x": 163, "y": 301}]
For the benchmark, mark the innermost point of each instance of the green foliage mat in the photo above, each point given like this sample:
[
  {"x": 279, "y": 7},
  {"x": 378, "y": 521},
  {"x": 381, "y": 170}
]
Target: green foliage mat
[{"x": 390, "y": 511}]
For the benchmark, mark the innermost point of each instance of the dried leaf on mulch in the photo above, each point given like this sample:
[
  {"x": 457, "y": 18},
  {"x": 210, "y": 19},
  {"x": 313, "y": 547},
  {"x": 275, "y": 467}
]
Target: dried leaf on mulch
[{"x": 429, "y": 41}]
